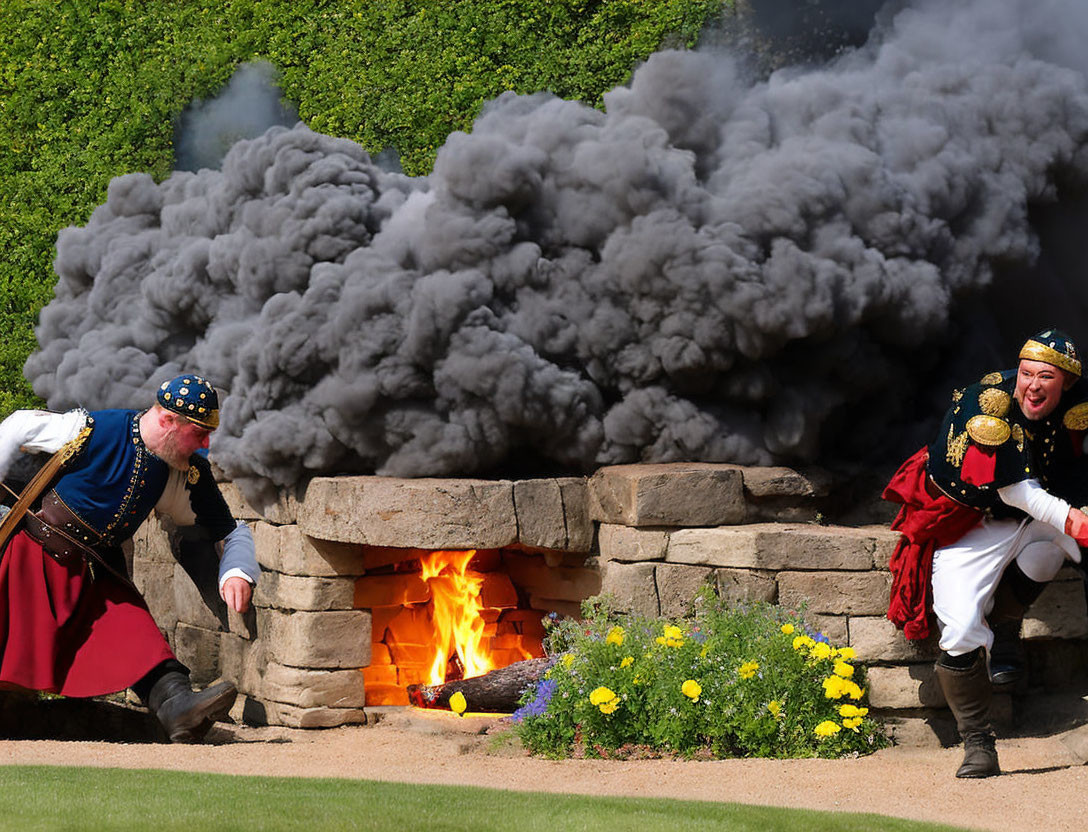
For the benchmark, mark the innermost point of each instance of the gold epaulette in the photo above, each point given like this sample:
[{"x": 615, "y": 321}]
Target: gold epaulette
[
  {"x": 1076, "y": 417},
  {"x": 994, "y": 402},
  {"x": 989, "y": 431},
  {"x": 991, "y": 378}
]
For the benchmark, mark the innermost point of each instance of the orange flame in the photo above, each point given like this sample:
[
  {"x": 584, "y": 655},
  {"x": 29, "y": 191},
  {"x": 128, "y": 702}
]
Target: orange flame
[{"x": 458, "y": 625}]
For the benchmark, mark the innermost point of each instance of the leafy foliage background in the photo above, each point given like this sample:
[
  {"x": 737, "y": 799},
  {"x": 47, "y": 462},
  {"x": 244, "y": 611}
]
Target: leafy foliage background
[{"x": 90, "y": 90}]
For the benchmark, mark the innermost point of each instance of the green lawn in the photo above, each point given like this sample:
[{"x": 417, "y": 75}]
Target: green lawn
[{"x": 49, "y": 798}]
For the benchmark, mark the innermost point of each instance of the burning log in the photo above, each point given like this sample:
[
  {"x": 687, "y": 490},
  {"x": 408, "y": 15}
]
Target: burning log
[{"x": 495, "y": 692}]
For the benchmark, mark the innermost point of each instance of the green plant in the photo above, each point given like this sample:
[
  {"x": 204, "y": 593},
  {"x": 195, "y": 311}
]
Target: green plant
[{"x": 732, "y": 681}]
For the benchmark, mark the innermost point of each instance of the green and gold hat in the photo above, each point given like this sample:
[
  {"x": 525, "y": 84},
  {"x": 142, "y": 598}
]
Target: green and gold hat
[{"x": 1052, "y": 346}]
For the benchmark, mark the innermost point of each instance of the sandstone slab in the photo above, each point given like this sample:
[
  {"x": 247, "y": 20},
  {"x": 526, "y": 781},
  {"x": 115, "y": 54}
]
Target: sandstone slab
[
  {"x": 907, "y": 686},
  {"x": 774, "y": 546},
  {"x": 307, "y": 688},
  {"x": 1058, "y": 613},
  {"x": 263, "y": 712},
  {"x": 538, "y": 505},
  {"x": 677, "y": 587},
  {"x": 287, "y": 550},
  {"x": 876, "y": 639},
  {"x": 198, "y": 649},
  {"x": 632, "y": 545},
  {"x": 669, "y": 494},
  {"x": 739, "y": 586},
  {"x": 580, "y": 526},
  {"x": 297, "y": 592},
  {"x": 423, "y": 513},
  {"x": 333, "y": 639},
  {"x": 632, "y": 585},
  {"x": 282, "y": 512},
  {"x": 837, "y": 593}
]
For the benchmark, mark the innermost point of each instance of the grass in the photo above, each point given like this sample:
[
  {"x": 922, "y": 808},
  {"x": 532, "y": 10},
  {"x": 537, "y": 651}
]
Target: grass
[{"x": 62, "y": 798}]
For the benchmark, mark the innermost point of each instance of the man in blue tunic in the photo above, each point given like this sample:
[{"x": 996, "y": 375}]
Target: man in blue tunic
[{"x": 71, "y": 621}]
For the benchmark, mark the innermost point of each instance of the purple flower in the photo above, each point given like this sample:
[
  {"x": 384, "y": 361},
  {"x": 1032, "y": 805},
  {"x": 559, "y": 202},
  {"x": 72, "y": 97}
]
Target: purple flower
[{"x": 539, "y": 705}]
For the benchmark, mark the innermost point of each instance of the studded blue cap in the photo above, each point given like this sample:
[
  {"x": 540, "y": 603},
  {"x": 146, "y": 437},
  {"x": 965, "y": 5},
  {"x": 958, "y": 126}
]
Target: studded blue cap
[
  {"x": 192, "y": 397},
  {"x": 1053, "y": 346}
]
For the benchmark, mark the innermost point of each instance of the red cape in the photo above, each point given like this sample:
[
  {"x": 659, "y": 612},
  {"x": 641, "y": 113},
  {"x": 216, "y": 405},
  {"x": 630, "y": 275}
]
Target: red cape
[{"x": 926, "y": 523}]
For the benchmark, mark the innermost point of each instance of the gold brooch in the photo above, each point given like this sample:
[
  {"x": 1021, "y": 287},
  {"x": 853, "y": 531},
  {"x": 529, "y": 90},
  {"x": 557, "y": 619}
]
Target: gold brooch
[
  {"x": 193, "y": 475},
  {"x": 957, "y": 447},
  {"x": 991, "y": 378},
  {"x": 988, "y": 430},
  {"x": 1018, "y": 436}
]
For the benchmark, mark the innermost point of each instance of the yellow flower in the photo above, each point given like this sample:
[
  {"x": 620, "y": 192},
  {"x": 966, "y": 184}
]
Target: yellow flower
[
  {"x": 601, "y": 695},
  {"x": 843, "y": 669},
  {"x": 775, "y": 707},
  {"x": 674, "y": 636},
  {"x": 627, "y": 661},
  {"x": 568, "y": 660},
  {"x": 802, "y": 642},
  {"x": 821, "y": 650},
  {"x": 703, "y": 652},
  {"x": 851, "y": 689},
  {"x": 787, "y": 629},
  {"x": 458, "y": 703},
  {"x": 847, "y": 653},
  {"x": 827, "y": 728},
  {"x": 615, "y": 636},
  {"x": 834, "y": 687},
  {"x": 849, "y": 710},
  {"x": 852, "y": 723},
  {"x": 605, "y": 699},
  {"x": 691, "y": 689},
  {"x": 748, "y": 670}
]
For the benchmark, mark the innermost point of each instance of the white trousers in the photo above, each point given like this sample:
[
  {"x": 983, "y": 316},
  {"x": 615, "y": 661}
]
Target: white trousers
[{"x": 966, "y": 574}]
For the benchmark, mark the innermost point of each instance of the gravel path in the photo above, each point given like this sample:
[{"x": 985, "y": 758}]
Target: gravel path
[{"x": 1042, "y": 786}]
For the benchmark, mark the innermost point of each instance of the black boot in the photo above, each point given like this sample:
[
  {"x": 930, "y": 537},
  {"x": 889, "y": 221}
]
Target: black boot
[
  {"x": 185, "y": 714},
  {"x": 966, "y": 687},
  {"x": 1015, "y": 593}
]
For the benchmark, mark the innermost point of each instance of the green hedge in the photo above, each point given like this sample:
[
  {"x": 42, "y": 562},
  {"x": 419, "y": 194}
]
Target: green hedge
[{"x": 89, "y": 90}]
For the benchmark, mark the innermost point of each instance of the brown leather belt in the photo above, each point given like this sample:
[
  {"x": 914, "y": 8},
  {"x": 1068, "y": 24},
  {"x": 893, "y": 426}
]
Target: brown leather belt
[
  {"x": 65, "y": 537},
  {"x": 59, "y": 546}
]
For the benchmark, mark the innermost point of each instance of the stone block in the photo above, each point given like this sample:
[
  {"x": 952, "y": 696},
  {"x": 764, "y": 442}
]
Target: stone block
[
  {"x": 738, "y": 586},
  {"x": 834, "y": 627},
  {"x": 313, "y": 688},
  {"x": 390, "y": 590},
  {"x": 262, "y": 712},
  {"x": 631, "y": 545},
  {"x": 668, "y": 494},
  {"x": 632, "y": 585},
  {"x": 776, "y": 481},
  {"x": 678, "y": 585},
  {"x": 243, "y": 624},
  {"x": 282, "y": 512},
  {"x": 287, "y": 550},
  {"x": 837, "y": 593},
  {"x": 538, "y": 505},
  {"x": 423, "y": 513},
  {"x": 196, "y": 607},
  {"x": 1058, "y": 613},
  {"x": 774, "y": 546},
  {"x": 906, "y": 686},
  {"x": 155, "y": 580},
  {"x": 198, "y": 649},
  {"x": 565, "y": 583},
  {"x": 886, "y": 541},
  {"x": 152, "y": 542},
  {"x": 580, "y": 526},
  {"x": 335, "y": 639},
  {"x": 876, "y": 639},
  {"x": 781, "y": 510},
  {"x": 242, "y": 662},
  {"x": 300, "y": 592}
]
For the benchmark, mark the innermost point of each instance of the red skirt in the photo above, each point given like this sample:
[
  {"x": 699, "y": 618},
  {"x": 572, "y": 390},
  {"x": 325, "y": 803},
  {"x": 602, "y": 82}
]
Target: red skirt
[{"x": 62, "y": 632}]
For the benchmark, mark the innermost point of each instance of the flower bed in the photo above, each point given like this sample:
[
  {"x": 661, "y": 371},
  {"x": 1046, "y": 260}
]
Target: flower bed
[{"x": 730, "y": 682}]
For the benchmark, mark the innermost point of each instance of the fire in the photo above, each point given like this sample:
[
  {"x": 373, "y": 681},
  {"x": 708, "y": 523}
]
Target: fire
[
  {"x": 441, "y": 616},
  {"x": 458, "y": 625}
]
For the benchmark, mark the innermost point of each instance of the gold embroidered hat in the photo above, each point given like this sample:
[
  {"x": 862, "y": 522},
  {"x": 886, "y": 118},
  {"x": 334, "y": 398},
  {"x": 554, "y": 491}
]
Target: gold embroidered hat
[
  {"x": 192, "y": 397},
  {"x": 1052, "y": 346}
]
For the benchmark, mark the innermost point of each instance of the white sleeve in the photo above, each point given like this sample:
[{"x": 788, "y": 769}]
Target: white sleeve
[
  {"x": 37, "y": 430},
  {"x": 1031, "y": 497}
]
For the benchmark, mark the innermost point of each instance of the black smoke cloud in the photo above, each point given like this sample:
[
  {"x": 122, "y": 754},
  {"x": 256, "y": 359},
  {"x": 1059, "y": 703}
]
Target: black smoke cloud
[{"x": 711, "y": 269}]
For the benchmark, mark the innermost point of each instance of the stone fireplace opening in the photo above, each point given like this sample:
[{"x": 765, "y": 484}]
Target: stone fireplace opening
[{"x": 444, "y": 615}]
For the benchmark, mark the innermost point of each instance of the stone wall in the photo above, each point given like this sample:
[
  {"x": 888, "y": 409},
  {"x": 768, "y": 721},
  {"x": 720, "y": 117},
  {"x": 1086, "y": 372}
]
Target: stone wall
[{"x": 649, "y": 535}]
